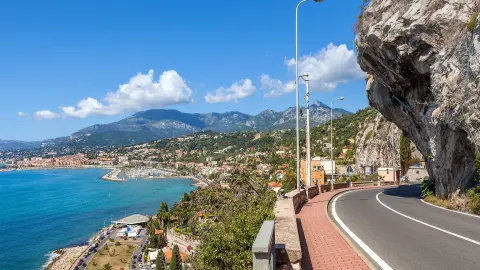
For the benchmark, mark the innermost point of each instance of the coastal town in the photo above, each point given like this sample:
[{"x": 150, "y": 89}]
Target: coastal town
[{"x": 227, "y": 168}]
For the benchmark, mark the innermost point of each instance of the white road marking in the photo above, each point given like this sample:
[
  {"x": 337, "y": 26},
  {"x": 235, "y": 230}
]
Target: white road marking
[
  {"x": 427, "y": 224},
  {"x": 459, "y": 212},
  {"x": 355, "y": 238}
]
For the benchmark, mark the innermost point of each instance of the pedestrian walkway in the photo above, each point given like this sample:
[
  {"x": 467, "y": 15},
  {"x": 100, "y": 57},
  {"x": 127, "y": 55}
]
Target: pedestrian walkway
[{"x": 323, "y": 247}]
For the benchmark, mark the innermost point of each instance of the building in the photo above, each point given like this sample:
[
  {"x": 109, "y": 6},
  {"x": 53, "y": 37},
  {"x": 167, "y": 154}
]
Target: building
[
  {"x": 275, "y": 186},
  {"x": 318, "y": 172},
  {"x": 347, "y": 148},
  {"x": 386, "y": 174}
]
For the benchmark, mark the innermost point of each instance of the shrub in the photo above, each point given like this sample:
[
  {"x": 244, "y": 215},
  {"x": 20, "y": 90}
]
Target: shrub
[
  {"x": 355, "y": 178},
  {"x": 428, "y": 188},
  {"x": 474, "y": 196},
  {"x": 117, "y": 243},
  {"x": 94, "y": 263},
  {"x": 131, "y": 246},
  {"x": 472, "y": 22}
]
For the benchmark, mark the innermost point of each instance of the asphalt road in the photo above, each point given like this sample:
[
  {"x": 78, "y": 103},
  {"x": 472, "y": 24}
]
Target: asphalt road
[{"x": 403, "y": 243}]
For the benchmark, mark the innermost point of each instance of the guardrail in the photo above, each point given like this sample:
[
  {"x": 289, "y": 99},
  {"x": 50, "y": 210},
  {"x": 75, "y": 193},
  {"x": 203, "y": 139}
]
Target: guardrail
[{"x": 263, "y": 249}]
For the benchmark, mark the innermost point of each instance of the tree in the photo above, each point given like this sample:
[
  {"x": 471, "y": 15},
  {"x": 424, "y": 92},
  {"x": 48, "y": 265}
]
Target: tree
[
  {"x": 228, "y": 244},
  {"x": 160, "y": 240},
  {"x": 163, "y": 214},
  {"x": 405, "y": 153},
  {"x": 160, "y": 262},
  {"x": 107, "y": 267},
  {"x": 176, "y": 261},
  {"x": 289, "y": 181}
]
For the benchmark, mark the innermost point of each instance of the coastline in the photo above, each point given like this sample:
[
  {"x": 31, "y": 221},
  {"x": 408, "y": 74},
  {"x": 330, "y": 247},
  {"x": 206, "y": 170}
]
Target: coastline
[
  {"x": 64, "y": 258},
  {"x": 62, "y": 168}
]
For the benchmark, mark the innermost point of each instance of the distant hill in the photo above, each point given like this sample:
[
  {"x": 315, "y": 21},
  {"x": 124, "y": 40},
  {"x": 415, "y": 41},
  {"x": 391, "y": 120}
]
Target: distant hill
[
  {"x": 161, "y": 123},
  {"x": 7, "y": 144}
]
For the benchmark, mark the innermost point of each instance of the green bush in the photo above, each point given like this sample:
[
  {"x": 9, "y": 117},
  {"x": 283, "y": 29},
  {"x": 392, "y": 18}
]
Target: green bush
[
  {"x": 117, "y": 243},
  {"x": 474, "y": 196},
  {"x": 472, "y": 22},
  {"x": 428, "y": 188},
  {"x": 355, "y": 178}
]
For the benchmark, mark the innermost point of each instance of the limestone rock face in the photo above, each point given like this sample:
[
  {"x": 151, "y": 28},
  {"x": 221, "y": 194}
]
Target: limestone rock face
[
  {"x": 424, "y": 64},
  {"x": 377, "y": 144}
]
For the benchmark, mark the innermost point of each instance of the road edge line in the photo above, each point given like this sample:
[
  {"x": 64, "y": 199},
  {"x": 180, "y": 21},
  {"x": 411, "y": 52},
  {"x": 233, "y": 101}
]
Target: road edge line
[
  {"x": 427, "y": 224},
  {"x": 379, "y": 261},
  {"x": 455, "y": 211}
]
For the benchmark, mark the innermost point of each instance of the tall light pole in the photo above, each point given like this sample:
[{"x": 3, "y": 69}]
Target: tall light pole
[
  {"x": 331, "y": 142},
  {"x": 308, "y": 179},
  {"x": 296, "y": 91}
]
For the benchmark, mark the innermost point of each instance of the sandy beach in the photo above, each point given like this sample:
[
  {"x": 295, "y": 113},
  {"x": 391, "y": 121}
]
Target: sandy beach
[{"x": 66, "y": 257}]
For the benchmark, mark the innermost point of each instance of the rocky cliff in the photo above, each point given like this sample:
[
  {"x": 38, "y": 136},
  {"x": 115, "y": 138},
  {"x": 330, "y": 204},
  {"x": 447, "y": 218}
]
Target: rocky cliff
[
  {"x": 377, "y": 144},
  {"x": 423, "y": 57}
]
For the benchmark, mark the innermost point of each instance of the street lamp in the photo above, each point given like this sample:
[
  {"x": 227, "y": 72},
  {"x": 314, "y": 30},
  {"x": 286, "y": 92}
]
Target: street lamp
[
  {"x": 296, "y": 91},
  {"x": 308, "y": 164},
  {"x": 331, "y": 141}
]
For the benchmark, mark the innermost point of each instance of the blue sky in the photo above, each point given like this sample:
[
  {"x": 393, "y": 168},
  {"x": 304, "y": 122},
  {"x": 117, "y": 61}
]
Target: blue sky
[{"x": 66, "y": 65}]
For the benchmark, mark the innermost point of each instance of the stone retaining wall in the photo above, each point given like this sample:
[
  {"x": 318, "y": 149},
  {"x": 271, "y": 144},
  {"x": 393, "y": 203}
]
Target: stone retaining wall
[{"x": 313, "y": 191}]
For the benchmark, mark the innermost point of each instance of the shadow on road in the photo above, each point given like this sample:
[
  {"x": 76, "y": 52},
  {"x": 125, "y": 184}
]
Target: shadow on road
[{"x": 412, "y": 191}]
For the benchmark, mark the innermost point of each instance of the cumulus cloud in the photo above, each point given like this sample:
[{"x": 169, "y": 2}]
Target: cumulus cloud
[
  {"x": 45, "y": 115},
  {"x": 327, "y": 68},
  {"x": 238, "y": 90},
  {"x": 275, "y": 87},
  {"x": 141, "y": 92},
  {"x": 21, "y": 114}
]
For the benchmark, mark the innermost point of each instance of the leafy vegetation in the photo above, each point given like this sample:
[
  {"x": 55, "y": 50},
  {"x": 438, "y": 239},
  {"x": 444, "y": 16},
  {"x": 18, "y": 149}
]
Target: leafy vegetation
[
  {"x": 230, "y": 220},
  {"x": 472, "y": 22},
  {"x": 160, "y": 262},
  {"x": 474, "y": 196},
  {"x": 428, "y": 188}
]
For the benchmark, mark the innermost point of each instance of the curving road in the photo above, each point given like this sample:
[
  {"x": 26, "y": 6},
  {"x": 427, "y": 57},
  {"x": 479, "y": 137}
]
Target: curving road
[{"x": 401, "y": 232}]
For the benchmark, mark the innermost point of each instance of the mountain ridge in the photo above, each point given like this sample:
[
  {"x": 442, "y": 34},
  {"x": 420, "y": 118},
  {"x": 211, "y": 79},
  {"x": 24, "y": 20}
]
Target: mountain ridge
[{"x": 148, "y": 125}]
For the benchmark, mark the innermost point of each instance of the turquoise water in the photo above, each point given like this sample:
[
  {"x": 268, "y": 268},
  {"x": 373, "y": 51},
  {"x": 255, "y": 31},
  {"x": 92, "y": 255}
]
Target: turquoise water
[{"x": 44, "y": 210}]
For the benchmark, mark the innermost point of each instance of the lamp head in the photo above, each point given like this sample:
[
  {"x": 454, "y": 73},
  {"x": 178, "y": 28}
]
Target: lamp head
[
  {"x": 340, "y": 98},
  {"x": 318, "y": 1}
]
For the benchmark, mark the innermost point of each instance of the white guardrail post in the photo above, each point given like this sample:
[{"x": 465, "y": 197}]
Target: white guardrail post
[{"x": 263, "y": 248}]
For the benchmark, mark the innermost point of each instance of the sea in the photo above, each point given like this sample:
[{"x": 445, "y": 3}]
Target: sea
[{"x": 45, "y": 210}]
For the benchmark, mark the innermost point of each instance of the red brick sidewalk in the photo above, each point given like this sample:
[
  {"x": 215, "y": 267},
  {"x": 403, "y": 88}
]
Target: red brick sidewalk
[{"x": 323, "y": 247}]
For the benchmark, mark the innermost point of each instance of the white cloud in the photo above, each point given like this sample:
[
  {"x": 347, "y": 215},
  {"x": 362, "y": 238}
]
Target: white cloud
[
  {"x": 238, "y": 90},
  {"x": 45, "y": 115},
  {"x": 329, "y": 67},
  {"x": 141, "y": 92},
  {"x": 21, "y": 114},
  {"x": 275, "y": 87}
]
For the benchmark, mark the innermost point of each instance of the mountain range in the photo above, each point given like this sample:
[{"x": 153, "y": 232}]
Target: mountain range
[{"x": 155, "y": 124}]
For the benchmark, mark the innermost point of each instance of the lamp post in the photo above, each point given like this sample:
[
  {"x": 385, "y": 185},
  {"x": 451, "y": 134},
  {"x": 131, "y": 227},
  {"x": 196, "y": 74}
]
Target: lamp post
[
  {"x": 331, "y": 142},
  {"x": 308, "y": 179},
  {"x": 296, "y": 91}
]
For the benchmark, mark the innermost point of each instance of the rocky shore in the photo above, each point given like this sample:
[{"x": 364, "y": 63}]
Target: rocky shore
[{"x": 63, "y": 258}]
